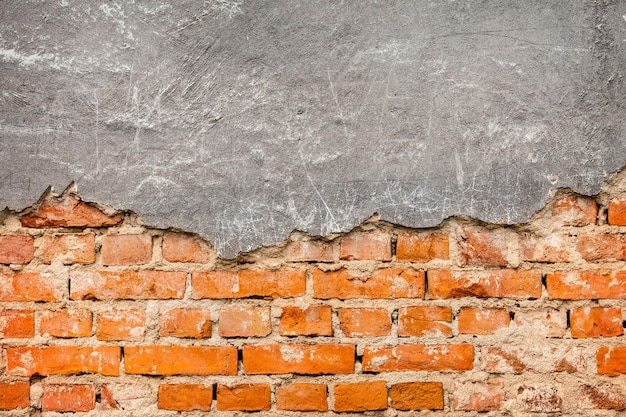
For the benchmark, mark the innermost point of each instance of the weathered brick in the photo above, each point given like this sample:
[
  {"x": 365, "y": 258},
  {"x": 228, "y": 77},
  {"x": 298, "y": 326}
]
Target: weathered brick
[
  {"x": 14, "y": 395},
  {"x": 298, "y": 359},
  {"x": 418, "y": 357},
  {"x": 422, "y": 247},
  {"x": 481, "y": 246},
  {"x": 474, "y": 320},
  {"x": 66, "y": 398},
  {"x": 128, "y": 325},
  {"x": 541, "y": 323},
  {"x": 185, "y": 397},
  {"x": 125, "y": 396},
  {"x": 63, "y": 360},
  {"x": 617, "y": 211},
  {"x": 550, "y": 249},
  {"x": 66, "y": 323},
  {"x": 310, "y": 251},
  {"x": 180, "y": 360},
  {"x": 575, "y": 211},
  {"x": 243, "y": 397},
  {"x": 478, "y": 396},
  {"x": 540, "y": 398},
  {"x": 316, "y": 320},
  {"x": 425, "y": 321},
  {"x": 383, "y": 283},
  {"x": 16, "y": 249},
  {"x": 374, "y": 245},
  {"x": 596, "y": 322},
  {"x": 127, "y": 285},
  {"x": 70, "y": 248},
  {"x": 601, "y": 396},
  {"x": 539, "y": 358},
  {"x": 17, "y": 324},
  {"x": 179, "y": 247},
  {"x": 611, "y": 360},
  {"x": 32, "y": 286},
  {"x": 506, "y": 283},
  {"x": 602, "y": 247},
  {"x": 194, "y": 323},
  {"x": 244, "y": 321},
  {"x": 126, "y": 249},
  {"x": 360, "y": 322},
  {"x": 247, "y": 283},
  {"x": 301, "y": 396},
  {"x": 69, "y": 211},
  {"x": 409, "y": 396},
  {"x": 360, "y": 396},
  {"x": 577, "y": 285}
]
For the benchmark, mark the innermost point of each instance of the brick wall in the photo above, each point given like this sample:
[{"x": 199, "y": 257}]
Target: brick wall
[{"x": 100, "y": 313}]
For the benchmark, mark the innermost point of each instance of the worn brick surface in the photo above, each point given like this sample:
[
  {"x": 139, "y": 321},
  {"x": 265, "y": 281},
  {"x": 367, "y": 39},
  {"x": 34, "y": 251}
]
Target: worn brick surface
[
  {"x": 417, "y": 396},
  {"x": 360, "y": 396},
  {"x": 315, "y": 320},
  {"x": 126, "y": 249},
  {"x": 360, "y": 322},
  {"x": 374, "y": 245},
  {"x": 418, "y": 357},
  {"x": 478, "y": 396},
  {"x": 243, "y": 397},
  {"x": 66, "y": 398},
  {"x": 16, "y": 249},
  {"x": 302, "y": 396},
  {"x": 185, "y": 397},
  {"x": 121, "y": 324},
  {"x": 180, "y": 360},
  {"x": 425, "y": 321},
  {"x": 75, "y": 322},
  {"x": 184, "y": 248},
  {"x": 422, "y": 247},
  {"x": 298, "y": 358},
  {"x": 383, "y": 283},
  {"x": 17, "y": 324},
  {"x": 193, "y": 323}
]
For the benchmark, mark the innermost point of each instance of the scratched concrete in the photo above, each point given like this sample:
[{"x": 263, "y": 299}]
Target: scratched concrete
[{"x": 244, "y": 120}]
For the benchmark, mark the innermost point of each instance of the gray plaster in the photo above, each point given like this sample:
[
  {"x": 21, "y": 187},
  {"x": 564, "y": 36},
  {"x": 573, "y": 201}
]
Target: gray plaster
[{"x": 243, "y": 120}]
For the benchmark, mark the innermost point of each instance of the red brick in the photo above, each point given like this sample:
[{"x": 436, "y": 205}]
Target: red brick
[
  {"x": 617, "y": 211},
  {"x": 63, "y": 360},
  {"x": 184, "y": 248},
  {"x": 505, "y": 283},
  {"x": 316, "y": 320},
  {"x": 127, "y": 285},
  {"x": 126, "y": 249},
  {"x": 180, "y": 360},
  {"x": 550, "y": 249},
  {"x": 478, "y": 396},
  {"x": 474, "y": 320},
  {"x": 423, "y": 321},
  {"x": 576, "y": 285},
  {"x": 301, "y": 396},
  {"x": 601, "y": 396},
  {"x": 71, "y": 248},
  {"x": 243, "y": 397},
  {"x": 611, "y": 360},
  {"x": 125, "y": 396},
  {"x": 244, "y": 321},
  {"x": 310, "y": 251},
  {"x": 69, "y": 211},
  {"x": 194, "y": 323},
  {"x": 417, "y": 396},
  {"x": 128, "y": 325},
  {"x": 360, "y": 322},
  {"x": 538, "y": 357},
  {"x": 14, "y": 395},
  {"x": 16, "y": 249},
  {"x": 17, "y": 324},
  {"x": 298, "y": 359},
  {"x": 481, "y": 246},
  {"x": 540, "y": 398},
  {"x": 185, "y": 397},
  {"x": 541, "y": 323},
  {"x": 66, "y": 323},
  {"x": 422, "y": 247},
  {"x": 66, "y": 398},
  {"x": 596, "y": 322},
  {"x": 418, "y": 357},
  {"x": 31, "y": 286},
  {"x": 383, "y": 283},
  {"x": 575, "y": 211},
  {"x": 374, "y": 245},
  {"x": 361, "y": 396},
  {"x": 602, "y": 248},
  {"x": 247, "y": 283}
]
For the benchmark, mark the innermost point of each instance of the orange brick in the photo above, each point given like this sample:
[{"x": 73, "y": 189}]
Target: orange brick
[
  {"x": 474, "y": 320},
  {"x": 422, "y": 247},
  {"x": 243, "y": 397},
  {"x": 301, "y": 396},
  {"x": 536, "y": 358},
  {"x": 540, "y": 398},
  {"x": 127, "y": 285},
  {"x": 17, "y": 324},
  {"x": 611, "y": 360},
  {"x": 375, "y": 245},
  {"x": 16, "y": 249},
  {"x": 247, "y": 283},
  {"x": 316, "y": 320},
  {"x": 31, "y": 286},
  {"x": 129, "y": 325},
  {"x": 66, "y": 398},
  {"x": 361, "y": 396},
  {"x": 481, "y": 246},
  {"x": 601, "y": 396},
  {"x": 194, "y": 323},
  {"x": 478, "y": 396},
  {"x": 66, "y": 323},
  {"x": 184, "y": 248},
  {"x": 63, "y": 360},
  {"x": 298, "y": 359},
  {"x": 14, "y": 395},
  {"x": 425, "y": 321},
  {"x": 180, "y": 360},
  {"x": 541, "y": 323},
  {"x": 617, "y": 211},
  {"x": 383, "y": 283},
  {"x": 245, "y": 321},
  {"x": 185, "y": 397},
  {"x": 554, "y": 248},
  {"x": 69, "y": 211},
  {"x": 309, "y": 251},
  {"x": 602, "y": 248},
  {"x": 575, "y": 211},
  {"x": 360, "y": 322},
  {"x": 72, "y": 248},
  {"x": 126, "y": 249},
  {"x": 417, "y": 396},
  {"x": 418, "y": 357},
  {"x": 505, "y": 283},
  {"x": 576, "y": 285},
  {"x": 125, "y": 396},
  {"x": 596, "y": 322}
]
